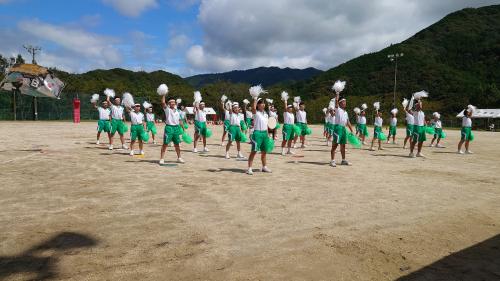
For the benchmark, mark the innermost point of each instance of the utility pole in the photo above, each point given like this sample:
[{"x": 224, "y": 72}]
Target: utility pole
[
  {"x": 394, "y": 58},
  {"x": 33, "y": 50}
]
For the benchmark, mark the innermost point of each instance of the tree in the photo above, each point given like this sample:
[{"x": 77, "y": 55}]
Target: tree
[{"x": 20, "y": 59}]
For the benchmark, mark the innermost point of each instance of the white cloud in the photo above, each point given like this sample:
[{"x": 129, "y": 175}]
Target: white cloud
[
  {"x": 301, "y": 33},
  {"x": 131, "y": 8}
]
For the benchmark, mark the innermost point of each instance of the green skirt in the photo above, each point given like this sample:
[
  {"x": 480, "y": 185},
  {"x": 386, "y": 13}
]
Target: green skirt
[
  {"x": 104, "y": 125},
  {"x": 288, "y": 132},
  {"x": 172, "y": 134},
  {"x": 363, "y": 130},
  {"x": 409, "y": 130},
  {"x": 340, "y": 134},
  {"x": 118, "y": 126},
  {"x": 201, "y": 129},
  {"x": 227, "y": 123},
  {"x": 392, "y": 130},
  {"x": 378, "y": 134},
  {"x": 304, "y": 129},
  {"x": 419, "y": 134},
  {"x": 261, "y": 141},
  {"x": 138, "y": 132},
  {"x": 467, "y": 134},
  {"x": 235, "y": 134}
]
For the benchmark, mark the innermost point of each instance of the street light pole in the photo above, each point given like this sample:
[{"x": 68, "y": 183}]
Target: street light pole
[
  {"x": 394, "y": 58},
  {"x": 33, "y": 50}
]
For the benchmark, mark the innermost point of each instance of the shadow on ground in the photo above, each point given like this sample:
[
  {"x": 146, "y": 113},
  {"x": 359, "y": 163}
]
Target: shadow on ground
[
  {"x": 41, "y": 259},
  {"x": 478, "y": 262}
]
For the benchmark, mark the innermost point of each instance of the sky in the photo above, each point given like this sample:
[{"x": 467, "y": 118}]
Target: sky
[{"x": 192, "y": 36}]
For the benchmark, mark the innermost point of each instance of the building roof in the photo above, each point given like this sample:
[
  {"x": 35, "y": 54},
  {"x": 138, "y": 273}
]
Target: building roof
[
  {"x": 482, "y": 113},
  {"x": 208, "y": 110}
]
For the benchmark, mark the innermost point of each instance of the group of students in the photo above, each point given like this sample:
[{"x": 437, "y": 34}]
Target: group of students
[{"x": 254, "y": 121}]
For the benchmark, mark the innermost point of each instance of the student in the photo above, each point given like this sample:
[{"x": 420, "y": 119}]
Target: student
[
  {"x": 340, "y": 132},
  {"x": 172, "y": 129},
  {"x": 104, "y": 123},
  {"x": 363, "y": 129},
  {"x": 418, "y": 137},
  {"x": 410, "y": 121},
  {"x": 117, "y": 121},
  {"x": 138, "y": 129},
  {"x": 150, "y": 123},
  {"x": 248, "y": 117},
  {"x": 200, "y": 123},
  {"x": 393, "y": 126},
  {"x": 438, "y": 130},
  {"x": 288, "y": 131},
  {"x": 259, "y": 138},
  {"x": 227, "y": 112},
  {"x": 234, "y": 131},
  {"x": 301, "y": 116},
  {"x": 377, "y": 130},
  {"x": 272, "y": 113},
  {"x": 466, "y": 132}
]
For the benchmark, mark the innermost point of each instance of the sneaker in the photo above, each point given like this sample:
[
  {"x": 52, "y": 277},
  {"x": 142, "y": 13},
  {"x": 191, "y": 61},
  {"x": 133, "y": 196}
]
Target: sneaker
[
  {"x": 131, "y": 153},
  {"x": 265, "y": 169},
  {"x": 180, "y": 160},
  {"x": 283, "y": 153},
  {"x": 371, "y": 149},
  {"x": 345, "y": 163},
  {"x": 142, "y": 152},
  {"x": 460, "y": 152},
  {"x": 222, "y": 144},
  {"x": 411, "y": 155},
  {"x": 388, "y": 142},
  {"x": 289, "y": 152},
  {"x": 249, "y": 171},
  {"x": 294, "y": 146},
  {"x": 303, "y": 146},
  {"x": 227, "y": 155},
  {"x": 394, "y": 142},
  {"x": 154, "y": 142},
  {"x": 240, "y": 156},
  {"x": 439, "y": 146},
  {"x": 420, "y": 154},
  {"x": 431, "y": 145},
  {"x": 381, "y": 148},
  {"x": 469, "y": 152},
  {"x": 364, "y": 143},
  {"x": 205, "y": 149},
  {"x": 162, "y": 161},
  {"x": 97, "y": 142},
  {"x": 195, "y": 150},
  {"x": 124, "y": 146},
  {"x": 333, "y": 164},
  {"x": 110, "y": 147}
]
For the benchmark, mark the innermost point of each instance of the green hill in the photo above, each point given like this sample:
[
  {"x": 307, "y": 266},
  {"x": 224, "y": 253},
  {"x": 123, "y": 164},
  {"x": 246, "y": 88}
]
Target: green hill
[
  {"x": 262, "y": 75},
  {"x": 456, "y": 60}
]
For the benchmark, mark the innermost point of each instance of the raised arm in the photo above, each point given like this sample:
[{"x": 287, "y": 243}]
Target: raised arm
[
  {"x": 163, "y": 102},
  {"x": 337, "y": 100},
  {"x": 254, "y": 106}
]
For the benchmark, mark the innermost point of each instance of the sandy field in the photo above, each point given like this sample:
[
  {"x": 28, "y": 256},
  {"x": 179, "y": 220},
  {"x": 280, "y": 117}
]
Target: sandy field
[{"x": 73, "y": 210}]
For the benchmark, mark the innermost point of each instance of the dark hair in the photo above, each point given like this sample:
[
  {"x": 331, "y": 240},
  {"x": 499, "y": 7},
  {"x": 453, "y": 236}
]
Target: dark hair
[
  {"x": 301, "y": 103},
  {"x": 170, "y": 98},
  {"x": 261, "y": 101}
]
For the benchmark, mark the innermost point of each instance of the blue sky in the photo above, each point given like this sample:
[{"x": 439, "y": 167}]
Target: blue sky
[{"x": 198, "y": 36}]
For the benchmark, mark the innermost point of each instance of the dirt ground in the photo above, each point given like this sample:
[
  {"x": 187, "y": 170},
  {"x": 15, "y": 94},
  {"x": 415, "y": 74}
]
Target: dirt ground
[{"x": 73, "y": 210}]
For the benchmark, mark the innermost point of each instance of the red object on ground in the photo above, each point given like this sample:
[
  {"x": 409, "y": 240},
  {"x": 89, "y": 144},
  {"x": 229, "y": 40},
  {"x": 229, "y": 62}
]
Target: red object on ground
[{"x": 76, "y": 110}]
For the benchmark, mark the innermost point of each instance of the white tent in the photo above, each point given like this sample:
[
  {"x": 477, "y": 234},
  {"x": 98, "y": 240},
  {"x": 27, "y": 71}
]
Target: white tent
[
  {"x": 483, "y": 113},
  {"x": 208, "y": 110}
]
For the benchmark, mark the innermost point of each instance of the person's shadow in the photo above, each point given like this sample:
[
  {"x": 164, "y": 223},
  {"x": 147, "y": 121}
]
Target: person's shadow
[{"x": 41, "y": 259}]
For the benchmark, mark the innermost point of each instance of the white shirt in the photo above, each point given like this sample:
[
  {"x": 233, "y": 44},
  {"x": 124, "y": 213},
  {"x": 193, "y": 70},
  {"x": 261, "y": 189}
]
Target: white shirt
[
  {"x": 136, "y": 118},
  {"x": 234, "y": 119},
  {"x": 419, "y": 117},
  {"x": 273, "y": 114},
  {"x": 227, "y": 115},
  {"x": 362, "y": 120},
  {"x": 117, "y": 112},
  {"x": 378, "y": 121},
  {"x": 171, "y": 116},
  {"x": 466, "y": 122},
  {"x": 150, "y": 117},
  {"x": 438, "y": 124},
  {"x": 200, "y": 115},
  {"x": 341, "y": 116},
  {"x": 249, "y": 114},
  {"x": 410, "y": 120},
  {"x": 260, "y": 121},
  {"x": 394, "y": 121},
  {"x": 103, "y": 113},
  {"x": 331, "y": 119},
  {"x": 288, "y": 118},
  {"x": 241, "y": 116},
  {"x": 301, "y": 116}
]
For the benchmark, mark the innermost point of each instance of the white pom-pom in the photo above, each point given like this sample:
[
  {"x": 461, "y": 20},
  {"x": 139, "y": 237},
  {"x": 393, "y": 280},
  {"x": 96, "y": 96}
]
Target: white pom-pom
[
  {"x": 128, "y": 100},
  {"x": 296, "y": 99},
  {"x": 471, "y": 108},
  {"x": 197, "y": 97},
  {"x": 357, "y": 110},
  {"x": 338, "y": 86},
  {"x": 178, "y": 101},
  {"x": 223, "y": 98},
  {"x": 410, "y": 104},
  {"x": 229, "y": 105},
  {"x": 394, "y": 111},
  {"x": 269, "y": 101},
  {"x": 245, "y": 101},
  {"x": 436, "y": 115},
  {"x": 295, "y": 105},
  {"x": 162, "y": 90},
  {"x": 364, "y": 106},
  {"x": 421, "y": 94},
  {"x": 405, "y": 103},
  {"x": 95, "y": 98},
  {"x": 332, "y": 104},
  {"x": 256, "y": 91},
  {"x": 325, "y": 110},
  {"x": 376, "y": 105},
  {"x": 146, "y": 105},
  {"x": 284, "y": 96},
  {"x": 109, "y": 93}
]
